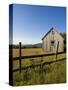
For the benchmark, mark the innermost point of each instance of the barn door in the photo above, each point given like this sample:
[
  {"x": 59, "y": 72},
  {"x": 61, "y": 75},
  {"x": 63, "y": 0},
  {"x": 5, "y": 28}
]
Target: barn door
[{"x": 52, "y": 46}]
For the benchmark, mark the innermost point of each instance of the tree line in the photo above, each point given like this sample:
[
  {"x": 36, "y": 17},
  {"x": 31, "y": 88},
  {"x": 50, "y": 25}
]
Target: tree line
[{"x": 64, "y": 36}]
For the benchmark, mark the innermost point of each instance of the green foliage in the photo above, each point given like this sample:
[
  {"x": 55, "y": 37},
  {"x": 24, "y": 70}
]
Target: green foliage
[
  {"x": 64, "y": 36},
  {"x": 51, "y": 73},
  {"x": 15, "y": 46},
  {"x": 39, "y": 45}
]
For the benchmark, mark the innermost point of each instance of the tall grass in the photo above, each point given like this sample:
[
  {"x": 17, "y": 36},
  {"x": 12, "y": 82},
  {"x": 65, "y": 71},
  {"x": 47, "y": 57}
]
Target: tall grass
[{"x": 51, "y": 73}]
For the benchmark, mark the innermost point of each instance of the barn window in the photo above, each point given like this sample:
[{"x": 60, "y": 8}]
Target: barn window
[
  {"x": 52, "y": 43},
  {"x": 53, "y": 32}
]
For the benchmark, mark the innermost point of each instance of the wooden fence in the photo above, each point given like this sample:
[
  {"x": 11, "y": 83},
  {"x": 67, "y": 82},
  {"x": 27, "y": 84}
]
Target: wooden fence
[{"x": 20, "y": 58}]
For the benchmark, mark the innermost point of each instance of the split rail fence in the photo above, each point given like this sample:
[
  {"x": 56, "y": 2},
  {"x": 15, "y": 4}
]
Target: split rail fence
[{"x": 41, "y": 64}]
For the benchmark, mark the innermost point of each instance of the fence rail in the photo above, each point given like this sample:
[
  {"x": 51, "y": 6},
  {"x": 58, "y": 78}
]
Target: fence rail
[
  {"x": 32, "y": 66},
  {"x": 35, "y": 56},
  {"x": 20, "y": 58}
]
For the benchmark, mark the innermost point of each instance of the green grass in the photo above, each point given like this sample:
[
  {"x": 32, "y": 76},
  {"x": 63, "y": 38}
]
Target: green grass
[{"x": 52, "y": 73}]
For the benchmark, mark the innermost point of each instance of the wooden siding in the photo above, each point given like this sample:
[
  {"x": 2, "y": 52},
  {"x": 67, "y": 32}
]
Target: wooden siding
[{"x": 56, "y": 37}]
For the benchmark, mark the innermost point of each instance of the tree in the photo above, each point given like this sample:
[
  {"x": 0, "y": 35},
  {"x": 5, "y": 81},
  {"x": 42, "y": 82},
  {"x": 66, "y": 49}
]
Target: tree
[{"x": 64, "y": 36}]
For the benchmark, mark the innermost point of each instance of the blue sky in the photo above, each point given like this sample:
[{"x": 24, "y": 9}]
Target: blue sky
[{"x": 31, "y": 23}]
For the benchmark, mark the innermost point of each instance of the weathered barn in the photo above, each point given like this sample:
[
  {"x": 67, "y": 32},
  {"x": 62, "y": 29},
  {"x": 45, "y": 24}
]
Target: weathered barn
[{"x": 50, "y": 41}]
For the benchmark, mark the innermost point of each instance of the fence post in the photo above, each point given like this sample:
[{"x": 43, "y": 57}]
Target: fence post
[
  {"x": 57, "y": 50},
  {"x": 20, "y": 55}
]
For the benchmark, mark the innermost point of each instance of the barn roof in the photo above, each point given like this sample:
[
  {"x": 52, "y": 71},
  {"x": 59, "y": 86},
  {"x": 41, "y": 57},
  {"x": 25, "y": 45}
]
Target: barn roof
[{"x": 49, "y": 32}]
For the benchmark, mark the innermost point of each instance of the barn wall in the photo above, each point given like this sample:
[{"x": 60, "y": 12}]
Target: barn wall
[
  {"x": 56, "y": 37},
  {"x": 46, "y": 41},
  {"x": 61, "y": 44}
]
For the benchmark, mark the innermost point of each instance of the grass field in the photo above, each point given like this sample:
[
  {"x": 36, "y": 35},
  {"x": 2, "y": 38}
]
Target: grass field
[
  {"x": 30, "y": 51},
  {"x": 53, "y": 73}
]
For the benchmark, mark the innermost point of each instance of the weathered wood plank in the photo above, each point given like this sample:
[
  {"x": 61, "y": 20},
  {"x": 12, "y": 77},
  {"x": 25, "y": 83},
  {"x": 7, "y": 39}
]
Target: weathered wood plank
[{"x": 35, "y": 56}]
